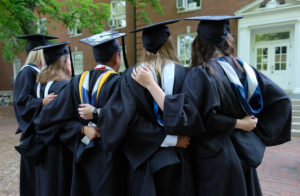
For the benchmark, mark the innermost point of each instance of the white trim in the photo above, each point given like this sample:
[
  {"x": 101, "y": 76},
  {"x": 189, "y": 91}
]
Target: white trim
[{"x": 185, "y": 7}]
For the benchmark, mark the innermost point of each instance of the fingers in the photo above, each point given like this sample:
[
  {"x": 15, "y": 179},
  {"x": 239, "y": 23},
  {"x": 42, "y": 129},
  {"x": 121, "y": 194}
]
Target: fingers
[{"x": 83, "y": 105}]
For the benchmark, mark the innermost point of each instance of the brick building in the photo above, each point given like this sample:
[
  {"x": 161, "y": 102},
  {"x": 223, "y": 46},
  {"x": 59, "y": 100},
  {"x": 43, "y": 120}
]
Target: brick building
[{"x": 183, "y": 32}]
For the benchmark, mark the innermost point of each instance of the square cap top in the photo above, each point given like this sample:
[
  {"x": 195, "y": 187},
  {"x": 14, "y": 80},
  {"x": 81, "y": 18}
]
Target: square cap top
[
  {"x": 102, "y": 38},
  {"x": 213, "y": 18},
  {"x": 36, "y": 37},
  {"x": 35, "y": 40},
  {"x": 213, "y": 29},
  {"x": 155, "y": 25}
]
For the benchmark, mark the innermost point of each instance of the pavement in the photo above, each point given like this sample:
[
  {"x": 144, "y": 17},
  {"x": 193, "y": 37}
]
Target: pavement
[{"x": 279, "y": 172}]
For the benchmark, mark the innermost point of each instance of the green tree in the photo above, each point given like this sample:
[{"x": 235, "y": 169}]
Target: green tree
[{"x": 20, "y": 17}]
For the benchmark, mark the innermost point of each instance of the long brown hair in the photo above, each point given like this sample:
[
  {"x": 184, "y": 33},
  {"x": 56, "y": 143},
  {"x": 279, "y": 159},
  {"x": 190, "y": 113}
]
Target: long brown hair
[
  {"x": 56, "y": 71},
  {"x": 203, "y": 52},
  {"x": 160, "y": 59}
]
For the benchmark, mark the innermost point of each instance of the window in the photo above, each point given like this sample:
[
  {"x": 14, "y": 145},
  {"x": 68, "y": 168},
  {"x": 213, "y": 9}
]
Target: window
[
  {"x": 280, "y": 58},
  {"x": 75, "y": 31},
  {"x": 272, "y": 36},
  {"x": 188, "y": 5},
  {"x": 118, "y": 14},
  {"x": 42, "y": 26},
  {"x": 184, "y": 46},
  {"x": 77, "y": 58},
  {"x": 17, "y": 67},
  {"x": 262, "y": 59}
]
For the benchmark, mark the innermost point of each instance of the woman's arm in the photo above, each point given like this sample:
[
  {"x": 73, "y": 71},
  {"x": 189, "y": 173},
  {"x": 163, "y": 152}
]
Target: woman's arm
[{"x": 144, "y": 77}]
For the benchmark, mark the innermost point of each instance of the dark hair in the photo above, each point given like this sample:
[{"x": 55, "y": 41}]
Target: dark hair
[
  {"x": 103, "y": 53},
  {"x": 203, "y": 52}
]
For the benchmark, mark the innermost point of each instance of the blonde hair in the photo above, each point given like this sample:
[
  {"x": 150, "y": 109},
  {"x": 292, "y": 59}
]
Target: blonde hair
[
  {"x": 56, "y": 71},
  {"x": 164, "y": 55},
  {"x": 36, "y": 58}
]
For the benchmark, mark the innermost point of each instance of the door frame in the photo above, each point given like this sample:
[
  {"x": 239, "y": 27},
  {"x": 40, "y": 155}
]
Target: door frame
[{"x": 275, "y": 29}]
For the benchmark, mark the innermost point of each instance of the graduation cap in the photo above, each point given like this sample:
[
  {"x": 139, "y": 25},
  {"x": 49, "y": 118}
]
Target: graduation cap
[
  {"x": 35, "y": 40},
  {"x": 155, "y": 35},
  {"x": 52, "y": 52},
  {"x": 213, "y": 29},
  {"x": 105, "y": 44}
]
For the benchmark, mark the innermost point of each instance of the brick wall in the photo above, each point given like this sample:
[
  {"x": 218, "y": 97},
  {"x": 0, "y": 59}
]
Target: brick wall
[{"x": 208, "y": 7}]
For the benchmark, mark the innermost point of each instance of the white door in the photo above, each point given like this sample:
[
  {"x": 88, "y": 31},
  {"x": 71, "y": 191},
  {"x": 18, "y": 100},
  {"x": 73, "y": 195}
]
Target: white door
[
  {"x": 272, "y": 59},
  {"x": 272, "y": 55}
]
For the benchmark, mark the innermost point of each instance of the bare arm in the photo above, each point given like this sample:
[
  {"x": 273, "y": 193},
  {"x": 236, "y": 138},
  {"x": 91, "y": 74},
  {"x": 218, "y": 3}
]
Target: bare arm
[{"x": 144, "y": 77}]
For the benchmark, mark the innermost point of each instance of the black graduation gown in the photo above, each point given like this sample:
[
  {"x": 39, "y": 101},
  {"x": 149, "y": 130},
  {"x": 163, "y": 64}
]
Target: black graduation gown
[
  {"x": 152, "y": 168},
  {"x": 55, "y": 160},
  {"x": 96, "y": 171},
  {"x": 26, "y": 106},
  {"x": 217, "y": 167}
]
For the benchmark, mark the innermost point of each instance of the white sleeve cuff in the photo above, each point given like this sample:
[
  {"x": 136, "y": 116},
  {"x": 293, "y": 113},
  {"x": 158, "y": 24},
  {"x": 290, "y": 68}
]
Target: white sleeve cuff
[{"x": 169, "y": 141}]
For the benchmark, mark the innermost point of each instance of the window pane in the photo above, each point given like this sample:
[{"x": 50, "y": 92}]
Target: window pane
[
  {"x": 259, "y": 59},
  {"x": 283, "y": 50},
  {"x": 277, "y": 58},
  {"x": 283, "y": 66},
  {"x": 258, "y": 66},
  {"x": 277, "y": 66},
  {"x": 272, "y": 36},
  {"x": 259, "y": 51},
  {"x": 277, "y": 50},
  {"x": 265, "y": 51},
  {"x": 265, "y": 59},
  {"x": 265, "y": 67},
  {"x": 283, "y": 58}
]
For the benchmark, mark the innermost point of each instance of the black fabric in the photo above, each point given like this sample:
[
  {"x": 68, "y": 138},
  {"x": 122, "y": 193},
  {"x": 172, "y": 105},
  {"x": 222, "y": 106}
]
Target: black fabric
[
  {"x": 249, "y": 147},
  {"x": 96, "y": 171},
  {"x": 26, "y": 105},
  {"x": 213, "y": 32},
  {"x": 216, "y": 165},
  {"x": 35, "y": 40},
  {"x": 155, "y": 35},
  {"x": 55, "y": 160},
  {"x": 155, "y": 38},
  {"x": 132, "y": 105},
  {"x": 213, "y": 29}
]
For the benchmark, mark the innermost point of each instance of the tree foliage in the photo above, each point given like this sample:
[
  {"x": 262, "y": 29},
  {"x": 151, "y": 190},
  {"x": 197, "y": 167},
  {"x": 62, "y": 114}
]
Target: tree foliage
[{"x": 20, "y": 17}]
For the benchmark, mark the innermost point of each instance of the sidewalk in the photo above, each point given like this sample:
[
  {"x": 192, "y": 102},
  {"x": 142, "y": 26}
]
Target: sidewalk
[{"x": 279, "y": 173}]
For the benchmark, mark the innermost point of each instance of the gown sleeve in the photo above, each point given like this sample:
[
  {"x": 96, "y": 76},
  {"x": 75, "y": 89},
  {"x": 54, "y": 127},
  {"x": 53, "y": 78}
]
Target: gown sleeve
[
  {"x": 193, "y": 111},
  {"x": 274, "y": 121},
  {"x": 52, "y": 118},
  {"x": 26, "y": 105},
  {"x": 116, "y": 115}
]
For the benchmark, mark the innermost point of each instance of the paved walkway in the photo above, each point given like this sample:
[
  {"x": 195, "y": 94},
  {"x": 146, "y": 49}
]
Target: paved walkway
[{"x": 279, "y": 173}]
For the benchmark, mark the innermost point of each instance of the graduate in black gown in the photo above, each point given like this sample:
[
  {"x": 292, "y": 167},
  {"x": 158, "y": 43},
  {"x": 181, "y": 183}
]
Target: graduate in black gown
[
  {"x": 26, "y": 106},
  {"x": 96, "y": 171},
  {"x": 228, "y": 94},
  {"x": 157, "y": 167},
  {"x": 54, "y": 167}
]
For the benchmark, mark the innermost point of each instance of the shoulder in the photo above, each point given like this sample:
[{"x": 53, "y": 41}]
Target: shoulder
[{"x": 200, "y": 71}]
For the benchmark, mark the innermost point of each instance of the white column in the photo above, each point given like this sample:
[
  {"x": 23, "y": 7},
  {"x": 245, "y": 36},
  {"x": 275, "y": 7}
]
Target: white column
[
  {"x": 244, "y": 44},
  {"x": 296, "y": 59}
]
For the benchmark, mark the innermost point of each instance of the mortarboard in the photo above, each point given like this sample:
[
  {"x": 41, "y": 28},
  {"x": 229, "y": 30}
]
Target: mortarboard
[
  {"x": 53, "y": 52},
  {"x": 155, "y": 35},
  {"x": 35, "y": 40},
  {"x": 105, "y": 44},
  {"x": 213, "y": 29}
]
